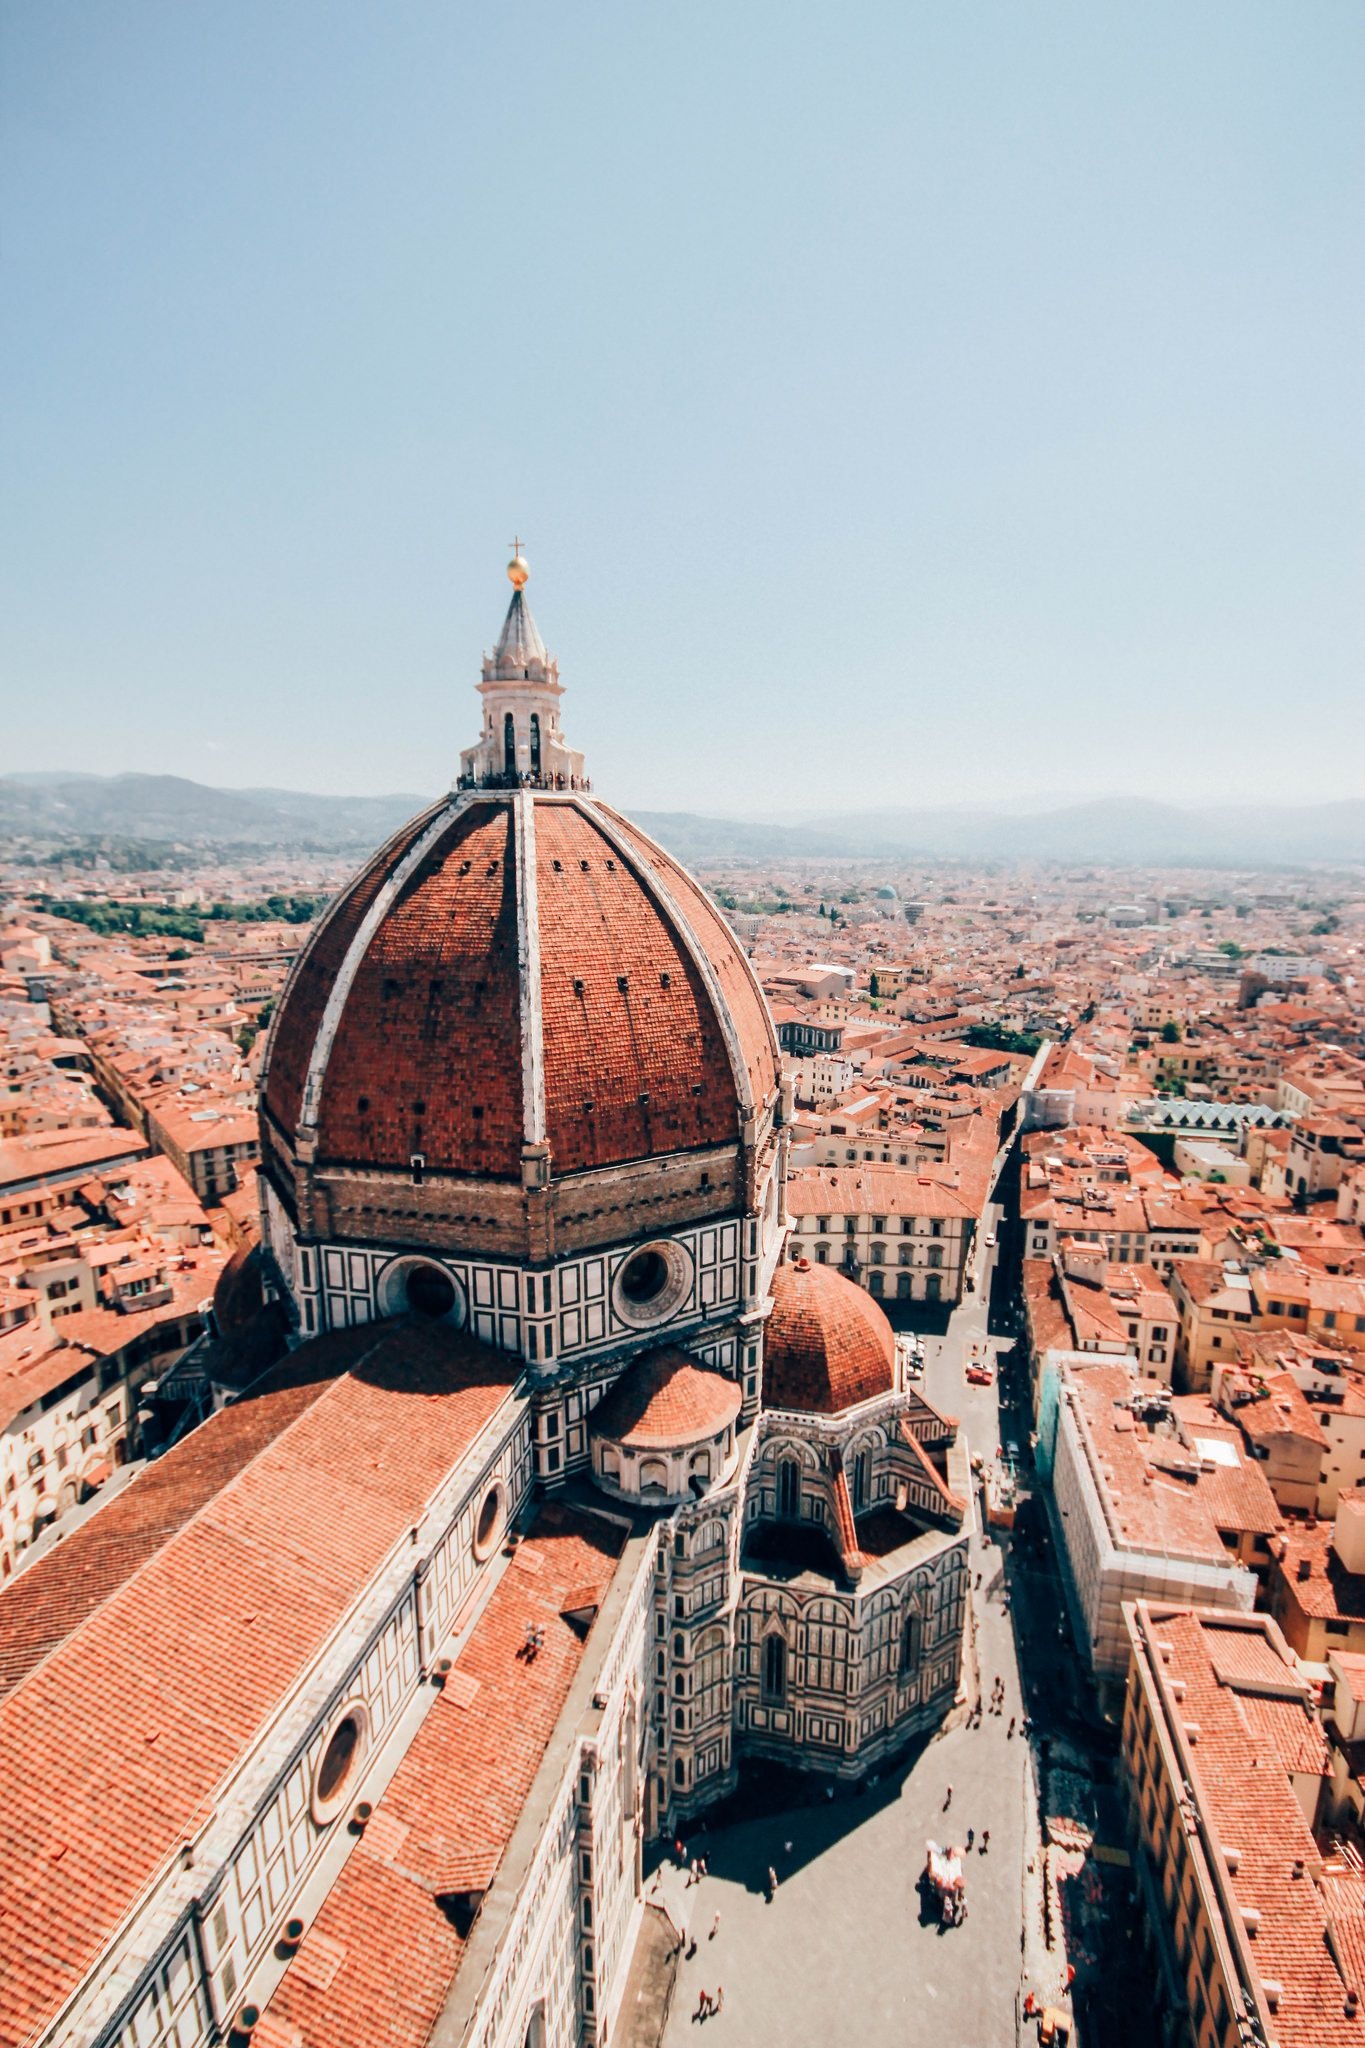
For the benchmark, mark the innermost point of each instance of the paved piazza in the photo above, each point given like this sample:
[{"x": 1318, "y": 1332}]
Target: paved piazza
[{"x": 841, "y": 1955}]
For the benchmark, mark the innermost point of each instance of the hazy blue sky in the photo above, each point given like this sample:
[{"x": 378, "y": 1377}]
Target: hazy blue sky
[{"x": 900, "y": 403}]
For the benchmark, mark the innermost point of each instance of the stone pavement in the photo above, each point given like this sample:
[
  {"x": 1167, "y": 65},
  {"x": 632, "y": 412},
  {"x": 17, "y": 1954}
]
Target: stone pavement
[{"x": 842, "y": 1953}]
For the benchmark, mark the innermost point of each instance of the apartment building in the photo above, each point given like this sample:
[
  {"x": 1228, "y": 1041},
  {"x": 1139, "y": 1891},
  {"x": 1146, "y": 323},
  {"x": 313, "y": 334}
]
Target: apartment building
[
  {"x": 1253, "y": 1934},
  {"x": 1145, "y": 1510},
  {"x": 904, "y": 1236}
]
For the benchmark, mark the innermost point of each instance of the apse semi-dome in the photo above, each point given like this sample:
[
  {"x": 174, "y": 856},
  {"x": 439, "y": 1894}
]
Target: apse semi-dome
[
  {"x": 666, "y": 1429},
  {"x": 518, "y": 992},
  {"x": 827, "y": 1346}
]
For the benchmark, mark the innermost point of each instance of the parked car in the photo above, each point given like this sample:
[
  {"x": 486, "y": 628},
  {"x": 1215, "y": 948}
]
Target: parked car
[{"x": 980, "y": 1375}]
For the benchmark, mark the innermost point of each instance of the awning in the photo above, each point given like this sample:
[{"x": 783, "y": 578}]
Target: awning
[{"x": 96, "y": 1472}]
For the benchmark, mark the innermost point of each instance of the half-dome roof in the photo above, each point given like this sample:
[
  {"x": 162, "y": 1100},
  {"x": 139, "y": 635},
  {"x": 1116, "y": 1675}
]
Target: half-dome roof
[
  {"x": 826, "y": 1345},
  {"x": 518, "y": 970},
  {"x": 666, "y": 1401}
]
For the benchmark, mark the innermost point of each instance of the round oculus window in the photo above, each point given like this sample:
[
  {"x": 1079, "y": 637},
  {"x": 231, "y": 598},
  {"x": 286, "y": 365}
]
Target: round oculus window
[
  {"x": 429, "y": 1292},
  {"x": 422, "y": 1288},
  {"x": 339, "y": 1764},
  {"x": 488, "y": 1526},
  {"x": 652, "y": 1284}
]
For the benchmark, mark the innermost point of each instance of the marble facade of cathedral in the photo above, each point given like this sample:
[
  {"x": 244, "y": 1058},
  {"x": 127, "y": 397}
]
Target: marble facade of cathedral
[{"x": 572, "y": 1494}]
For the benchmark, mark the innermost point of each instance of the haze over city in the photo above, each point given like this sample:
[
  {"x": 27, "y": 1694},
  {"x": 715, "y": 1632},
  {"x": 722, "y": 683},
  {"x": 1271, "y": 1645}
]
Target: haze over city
[{"x": 985, "y": 382}]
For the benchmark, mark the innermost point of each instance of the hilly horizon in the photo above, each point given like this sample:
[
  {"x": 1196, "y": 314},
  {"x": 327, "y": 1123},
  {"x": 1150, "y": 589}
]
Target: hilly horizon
[{"x": 1142, "y": 830}]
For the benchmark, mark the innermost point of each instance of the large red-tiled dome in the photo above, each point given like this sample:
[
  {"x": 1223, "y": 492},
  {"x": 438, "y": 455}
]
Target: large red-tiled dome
[
  {"x": 826, "y": 1345},
  {"x": 517, "y": 969}
]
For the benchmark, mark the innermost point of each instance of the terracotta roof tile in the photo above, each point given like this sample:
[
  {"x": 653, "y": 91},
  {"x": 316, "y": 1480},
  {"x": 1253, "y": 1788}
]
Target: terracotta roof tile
[
  {"x": 317, "y": 967},
  {"x": 629, "y": 1026},
  {"x": 139, "y": 1701},
  {"x": 826, "y": 1345},
  {"x": 666, "y": 1398},
  {"x": 427, "y": 1054},
  {"x": 444, "y": 1823}
]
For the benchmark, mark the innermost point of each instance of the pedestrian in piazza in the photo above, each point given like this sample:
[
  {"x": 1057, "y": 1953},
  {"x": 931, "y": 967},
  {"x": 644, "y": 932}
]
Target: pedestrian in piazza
[{"x": 715, "y": 1928}]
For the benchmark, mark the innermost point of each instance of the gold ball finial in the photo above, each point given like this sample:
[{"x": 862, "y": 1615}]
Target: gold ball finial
[{"x": 518, "y": 569}]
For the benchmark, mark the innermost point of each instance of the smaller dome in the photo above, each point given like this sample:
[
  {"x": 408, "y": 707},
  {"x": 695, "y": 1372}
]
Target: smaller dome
[
  {"x": 827, "y": 1345},
  {"x": 664, "y": 1402}
]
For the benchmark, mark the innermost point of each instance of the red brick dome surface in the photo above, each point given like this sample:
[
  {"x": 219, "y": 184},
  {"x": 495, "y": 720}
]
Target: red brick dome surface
[
  {"x": 826, "y": 1344},
  {"x": 666, "y": 1400},
  {"x": 416, "y": 1031}
]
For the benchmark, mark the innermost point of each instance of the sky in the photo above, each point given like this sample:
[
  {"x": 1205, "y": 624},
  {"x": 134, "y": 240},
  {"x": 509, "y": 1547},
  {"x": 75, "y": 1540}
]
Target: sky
[{"x": 908, "y": 404}]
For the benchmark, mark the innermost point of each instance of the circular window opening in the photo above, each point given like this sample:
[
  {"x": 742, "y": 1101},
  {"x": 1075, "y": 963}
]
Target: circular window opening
[
  {"x": 644, "y": 1278},
  {"x": 429, "y": 1292},
  {"x": 488, "y": 1527},
  {"x": 652, "y": 1284},
  {"x": 338, "y": 1758},
  {"x": 340, "y": 1762}
]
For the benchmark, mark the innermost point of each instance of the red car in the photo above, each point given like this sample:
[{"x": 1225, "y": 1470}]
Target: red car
[{"x": 980, "y": 1375}]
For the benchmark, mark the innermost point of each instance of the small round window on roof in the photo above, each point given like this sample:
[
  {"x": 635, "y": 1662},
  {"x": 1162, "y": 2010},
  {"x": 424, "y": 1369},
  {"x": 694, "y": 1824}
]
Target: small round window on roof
[
  {"x": 340, "y": 1762},
  {"x": 488, "y": 1526},
  {"x": 429, "y": 1292},
  {"x": 338, "y": 1759}
]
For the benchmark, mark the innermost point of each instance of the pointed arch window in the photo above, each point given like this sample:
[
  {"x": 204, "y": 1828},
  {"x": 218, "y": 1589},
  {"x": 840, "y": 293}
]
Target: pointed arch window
[
  {"x": 774, "y": 1668},
  {"x": 789, "y": 1489},
  {"x": 912, "y": 1644}
]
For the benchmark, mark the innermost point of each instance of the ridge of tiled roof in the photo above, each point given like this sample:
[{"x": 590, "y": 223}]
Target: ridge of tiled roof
[{"x": 444, "y": 1822}]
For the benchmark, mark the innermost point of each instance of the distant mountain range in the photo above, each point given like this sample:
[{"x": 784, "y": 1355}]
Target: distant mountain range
[
  {"x": 1128, "y": 830},
  {"x": 167, "y": 807}
]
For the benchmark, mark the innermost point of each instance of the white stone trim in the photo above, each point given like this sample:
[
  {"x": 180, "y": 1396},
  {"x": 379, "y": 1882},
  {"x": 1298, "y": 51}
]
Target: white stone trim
[
  {"x": 356, "y": 951},
  {"x": 528, "y": 970},
  {"x": 654, "y": 882},
  {"x": 342, "y": 896},
  {"x": 746, "y": 964}
]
